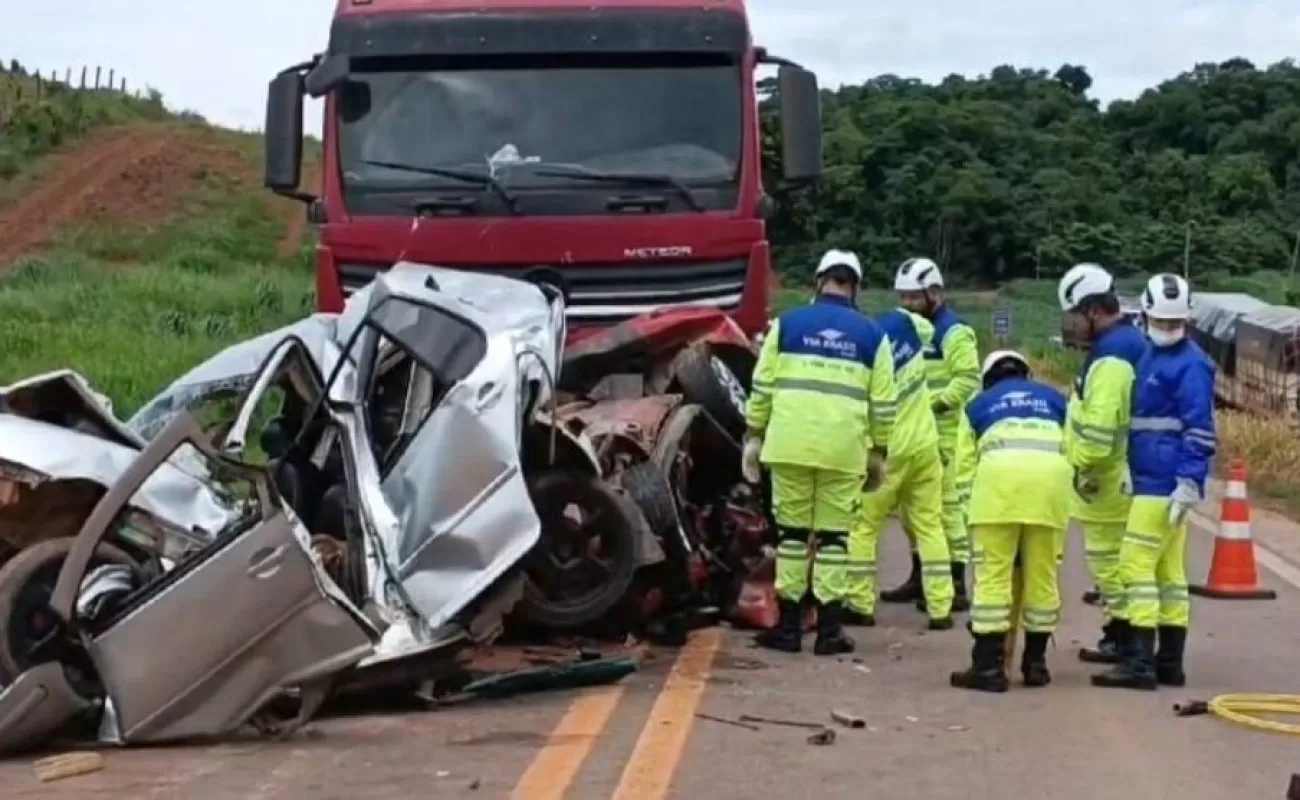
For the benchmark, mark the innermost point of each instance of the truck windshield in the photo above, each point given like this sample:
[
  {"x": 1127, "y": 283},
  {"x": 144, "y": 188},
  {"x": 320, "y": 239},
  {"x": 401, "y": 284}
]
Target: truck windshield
[{"x": 519, "y": 122}]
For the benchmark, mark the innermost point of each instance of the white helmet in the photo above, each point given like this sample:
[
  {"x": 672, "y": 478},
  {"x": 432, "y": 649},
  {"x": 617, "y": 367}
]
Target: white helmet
[
  {"x": 992, "y": 360},
  {"x": 1081, "y": 282},
  {"x": 1167, "y": 296},
  {"x": 917, "y": 275},
  {"x": 839, "y": 258}
]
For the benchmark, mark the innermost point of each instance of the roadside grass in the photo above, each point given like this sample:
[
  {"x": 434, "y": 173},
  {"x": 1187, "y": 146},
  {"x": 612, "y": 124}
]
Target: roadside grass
[
  {"x": 204, "y": 278},
  {"x": 1269, "y": 446}
]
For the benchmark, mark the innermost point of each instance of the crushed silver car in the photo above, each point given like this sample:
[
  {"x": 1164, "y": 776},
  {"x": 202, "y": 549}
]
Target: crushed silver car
[{"x": 385, "y": 475}]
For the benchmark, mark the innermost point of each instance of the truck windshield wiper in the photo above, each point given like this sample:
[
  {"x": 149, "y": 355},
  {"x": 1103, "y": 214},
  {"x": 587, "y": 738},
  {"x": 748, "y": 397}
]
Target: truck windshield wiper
[
  {"x": 645, "y": 179},
  {"x": 481, "y": 178}
]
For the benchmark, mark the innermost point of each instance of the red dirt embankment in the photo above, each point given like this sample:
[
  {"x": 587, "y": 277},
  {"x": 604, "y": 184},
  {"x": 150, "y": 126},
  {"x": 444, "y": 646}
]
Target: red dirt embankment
[{"x": 120, "y": 175}]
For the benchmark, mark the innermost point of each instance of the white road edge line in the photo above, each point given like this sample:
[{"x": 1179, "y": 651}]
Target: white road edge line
[{"x": 1271, "y": 561}]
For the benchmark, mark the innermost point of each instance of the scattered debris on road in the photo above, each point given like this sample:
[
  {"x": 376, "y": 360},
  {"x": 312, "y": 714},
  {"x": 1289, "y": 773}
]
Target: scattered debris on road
[
  {"x": 786, "y": 722},
  {"x": 1191, "y": 708},
  {"x": 735, "y": 723},
  {"x": 848, "y": 720},
  {"x": 823, "y": 737},
  {"x": 67, "y": 765}
]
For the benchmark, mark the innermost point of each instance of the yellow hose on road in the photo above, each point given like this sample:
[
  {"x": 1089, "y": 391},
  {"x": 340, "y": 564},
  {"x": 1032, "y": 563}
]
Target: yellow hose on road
[{"x": 1242, "y": 708}]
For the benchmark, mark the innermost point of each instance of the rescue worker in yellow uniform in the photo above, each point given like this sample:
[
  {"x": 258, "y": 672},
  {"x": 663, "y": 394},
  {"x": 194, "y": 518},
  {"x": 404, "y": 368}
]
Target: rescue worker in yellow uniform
[
  {"x": 1097, "y": 439},
  {"x": 913, "y": 484},
  {"x": 1011, "y": 444},
  {"x": 1170, "y": 446},
  {"x": 953, "y": 370},
  {"x": 820, "y": 413}
]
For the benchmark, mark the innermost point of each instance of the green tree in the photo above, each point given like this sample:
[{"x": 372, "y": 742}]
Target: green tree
[{"x": 997, "y": 174}]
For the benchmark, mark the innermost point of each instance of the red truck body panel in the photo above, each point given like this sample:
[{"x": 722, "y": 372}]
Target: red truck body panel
[{"x": 609, "y": 256}]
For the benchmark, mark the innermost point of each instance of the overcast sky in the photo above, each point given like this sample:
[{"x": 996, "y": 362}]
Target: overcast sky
[{"x": 216, "y": 57}]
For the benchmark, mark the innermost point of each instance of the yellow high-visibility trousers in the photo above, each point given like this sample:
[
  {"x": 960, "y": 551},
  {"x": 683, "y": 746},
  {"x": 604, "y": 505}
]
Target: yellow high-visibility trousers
[
  {"x": 913, "y": 486},
  {"x": 995, "y": 548},
  {"x": 954, "y": 513},
  {"x": 814, "y": 510},
  {"x": 1153, "y": 566},
  {"x": 1101, "y": 551}
]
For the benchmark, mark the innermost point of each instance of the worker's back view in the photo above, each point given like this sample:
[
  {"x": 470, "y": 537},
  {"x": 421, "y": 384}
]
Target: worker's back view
[
  {"x": 912, "y": 484},
  {"x": 819, "y": 416},
  {"x": 1011, "y": 448}
]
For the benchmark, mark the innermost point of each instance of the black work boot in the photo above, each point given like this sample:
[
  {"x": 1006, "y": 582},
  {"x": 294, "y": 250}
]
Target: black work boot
[
  {"x": 960, "y": 602},
  {"x": 940, "y": 623},
  {"x": 831, "y": 640},
  {"x": 909, "y": 591},
  {"x": 857, "y": 619},
  {"x": 1033, "y": 661},
  {"x": 1110, "y": 648},
  {"x": 985, "y": 673},
  {"x": 1169, "y": 657},
  {"x": 1138, "y": 671},
  {"x": 787, "y": 635},
  {"x": 1092, "y": 597}
]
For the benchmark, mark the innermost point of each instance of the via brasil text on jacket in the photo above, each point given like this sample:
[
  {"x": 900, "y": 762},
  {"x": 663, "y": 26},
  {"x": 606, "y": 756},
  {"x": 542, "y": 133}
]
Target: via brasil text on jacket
[
  {"x": 823, "y": 390},
  {"x": 1172, "y": 434},
  {"x": 1010, "y": 452}
]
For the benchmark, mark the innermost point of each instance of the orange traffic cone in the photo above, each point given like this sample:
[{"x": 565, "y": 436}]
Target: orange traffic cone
[{"x": 1233, "y": 575}]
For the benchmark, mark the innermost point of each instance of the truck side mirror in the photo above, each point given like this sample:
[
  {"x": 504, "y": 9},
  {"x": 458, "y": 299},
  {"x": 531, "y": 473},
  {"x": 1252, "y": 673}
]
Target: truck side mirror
[
  {"x": 282, "y": 145},
  {"x": 801, "y": 124}
]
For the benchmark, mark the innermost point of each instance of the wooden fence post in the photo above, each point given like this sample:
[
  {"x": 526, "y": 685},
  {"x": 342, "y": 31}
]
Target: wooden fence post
[
  {"x": 97, "y": 68},
  {"x": 83, "y": 77},
  {"x": 111, "y": 83}
]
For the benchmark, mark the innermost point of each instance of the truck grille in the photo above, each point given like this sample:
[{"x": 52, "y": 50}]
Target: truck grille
[{"x": 611, "y": 293}]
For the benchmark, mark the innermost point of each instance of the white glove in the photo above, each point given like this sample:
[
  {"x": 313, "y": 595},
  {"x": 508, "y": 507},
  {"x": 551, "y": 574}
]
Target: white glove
[
  {"x": 1185, "y": 496},
  {"x": 1086, "y": 486},
  {"x": 750, "y": 467}
]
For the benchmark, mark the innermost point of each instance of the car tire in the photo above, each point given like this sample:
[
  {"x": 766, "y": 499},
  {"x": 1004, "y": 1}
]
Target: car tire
[
  {"x": 706, "y": 380},
  {"x": 650, "y": 490},
  {"x": 39, "y": 562},
  {"x": 552, "y": 494}
]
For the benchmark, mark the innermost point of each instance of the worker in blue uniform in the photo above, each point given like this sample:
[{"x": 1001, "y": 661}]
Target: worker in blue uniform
[
  {"x": 1172, "y": 441},
  {"x": 819, "y": 417}
]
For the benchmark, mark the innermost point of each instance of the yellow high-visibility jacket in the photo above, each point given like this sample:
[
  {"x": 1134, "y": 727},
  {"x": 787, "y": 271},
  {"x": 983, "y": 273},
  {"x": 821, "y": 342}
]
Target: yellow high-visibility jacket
[
  {"x": 1100, "y": 411},
  {"x": 953, "y": 369},
  {"x": 1011, "y": 452},
  {"x": 823, "y": 391},
  {"x": 914, "y": 428}
]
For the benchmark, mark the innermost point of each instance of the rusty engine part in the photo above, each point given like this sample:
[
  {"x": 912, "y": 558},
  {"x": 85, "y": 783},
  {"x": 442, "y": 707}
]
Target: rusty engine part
[{"x": 681, "y": 467}]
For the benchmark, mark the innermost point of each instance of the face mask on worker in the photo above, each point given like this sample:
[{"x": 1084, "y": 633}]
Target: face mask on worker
[{"x": 1162, "y": 336}]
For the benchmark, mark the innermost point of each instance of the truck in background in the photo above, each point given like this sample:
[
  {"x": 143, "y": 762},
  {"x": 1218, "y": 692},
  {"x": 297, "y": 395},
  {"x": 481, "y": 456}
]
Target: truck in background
[{"x": 613, "y": 143}]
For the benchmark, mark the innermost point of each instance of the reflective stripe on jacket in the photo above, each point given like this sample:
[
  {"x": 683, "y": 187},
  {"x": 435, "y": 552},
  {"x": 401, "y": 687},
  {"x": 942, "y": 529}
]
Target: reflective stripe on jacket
[
  {"x": 914, "y": 428},
  {"x": 1011, "y": 455},
  {"x": 1101, "y": 405},
  {"x": 823, "y": 391},
  {"x": 1172, "y": 432},
  {"x": 953, "y": 371}
]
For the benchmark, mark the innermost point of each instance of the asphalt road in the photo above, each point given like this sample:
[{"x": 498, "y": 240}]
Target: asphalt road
[{"x": 643, "y": 739}]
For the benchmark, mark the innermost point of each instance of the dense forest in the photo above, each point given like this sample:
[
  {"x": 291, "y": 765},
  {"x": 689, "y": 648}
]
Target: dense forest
[{"x": 1020, "y": 173}]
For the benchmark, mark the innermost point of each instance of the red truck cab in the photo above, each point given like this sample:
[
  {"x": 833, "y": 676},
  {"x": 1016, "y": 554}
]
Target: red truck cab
[{"x": 615, "y": 143}]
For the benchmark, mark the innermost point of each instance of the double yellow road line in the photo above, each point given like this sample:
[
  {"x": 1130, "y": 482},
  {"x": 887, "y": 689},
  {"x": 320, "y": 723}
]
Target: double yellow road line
[{"x": 650, "y": 769}]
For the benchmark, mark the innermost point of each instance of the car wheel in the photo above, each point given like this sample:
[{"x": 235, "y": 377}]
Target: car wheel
[
  {"x": 706, "y": 380},
  {"x": 31, "y": 633},
  {"x": 584, "y": 561}
]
